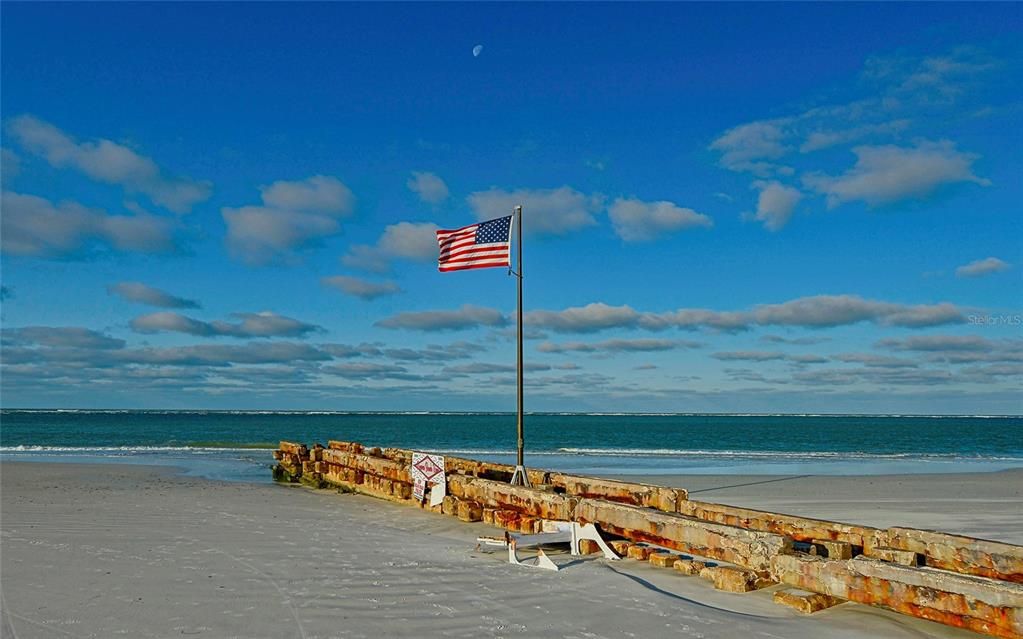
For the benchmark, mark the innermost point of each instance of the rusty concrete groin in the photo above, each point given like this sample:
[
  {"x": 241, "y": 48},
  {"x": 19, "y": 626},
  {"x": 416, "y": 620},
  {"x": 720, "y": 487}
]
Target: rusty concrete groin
[{"x": 951, "y": 579}]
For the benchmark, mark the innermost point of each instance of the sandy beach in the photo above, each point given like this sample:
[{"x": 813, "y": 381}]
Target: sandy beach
[{"x": 119, "y": 550}]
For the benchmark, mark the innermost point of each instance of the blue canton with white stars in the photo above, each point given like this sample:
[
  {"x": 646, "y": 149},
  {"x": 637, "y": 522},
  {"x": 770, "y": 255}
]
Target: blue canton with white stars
[{"x": 494, "y": 231}]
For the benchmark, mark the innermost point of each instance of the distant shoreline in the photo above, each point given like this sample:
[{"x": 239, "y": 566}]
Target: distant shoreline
[{"x": 246, "y": 411}]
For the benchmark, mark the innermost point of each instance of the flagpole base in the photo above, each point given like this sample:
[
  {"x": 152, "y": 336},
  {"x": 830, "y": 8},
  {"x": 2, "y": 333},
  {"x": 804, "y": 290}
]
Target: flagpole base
[{"x": 520, "y": 477}]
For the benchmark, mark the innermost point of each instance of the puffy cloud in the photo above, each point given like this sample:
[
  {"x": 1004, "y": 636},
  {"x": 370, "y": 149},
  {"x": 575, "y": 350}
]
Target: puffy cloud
[
  {"x": 264, "y": 324},
  {"x": 224, "y": 355},
  {"x": 59, "y": 337},
  {"x": 544, "y": 211},
  {"x": 616, "y": 346},
  {"x": 428, "y": 187},
  {"x": 875, "y": 376},
  {"x": 888, "y": 173},
  {"x": 316, "y": 194},
  {"x": 802, "y": 341},
  {"x": 747, "y": 146},
  {"x": 467, "y": 316},
  {"x": 346, "y": 351},
  {"x": 358, "y": 287},
  {"x": 477, "y": 368},
  {"x": 415, "y": 241},
  {"x": 823, "y": 139},
  {"x": 294, "y": 215},
  {"x": 368, "y": 370},
  {"x": 775, "y": 203},
  {"x": 638, "y": 221},
  {"x": 958, "y": 349},
  {"x": 34, "y": 226},
  {"x": 109, "y": 162},
  {"x": 929, "y": 80},
  {"x": 820, "y": 311},
  {"x": 584, "y": 319},
  {"x": 980, "y": 268},
  {"x": 879, "y": 361},
  {"x": 435, "y": 352},
  {"x": 751, "y": 356},
  {"x": 143, "y": 294}
]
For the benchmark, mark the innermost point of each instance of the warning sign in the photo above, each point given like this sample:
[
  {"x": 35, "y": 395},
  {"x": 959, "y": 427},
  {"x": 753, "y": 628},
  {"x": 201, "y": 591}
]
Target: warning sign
[{"x": 427, "y": 469}]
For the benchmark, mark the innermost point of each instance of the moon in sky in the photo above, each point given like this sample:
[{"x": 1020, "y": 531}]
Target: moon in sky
[{"x": 476, "y": 50}]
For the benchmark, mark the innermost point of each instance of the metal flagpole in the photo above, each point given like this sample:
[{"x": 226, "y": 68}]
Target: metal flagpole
[{"x": 520, "y": 477}]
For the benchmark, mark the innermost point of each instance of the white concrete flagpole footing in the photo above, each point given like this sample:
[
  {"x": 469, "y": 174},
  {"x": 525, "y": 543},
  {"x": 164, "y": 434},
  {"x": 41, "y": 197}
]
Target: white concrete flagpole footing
[{"x": 520, "y": 477}]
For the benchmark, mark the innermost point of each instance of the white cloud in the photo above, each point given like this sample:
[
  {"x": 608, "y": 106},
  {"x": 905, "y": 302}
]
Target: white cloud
[
  {"x": 747, "y": 147},
  {"x": 415, "y": 241},
  {"x": 34, "y": 226},
  {"x": 885, "y": 174},
  {"x": 825, "y": 138},
  {"x": 264, "y": 324},
  {"x": 638, "y": 221},
  {"x": 109, "y": 162},
  {"x": 836, "y": 310},
  {"x": 544, "y": 211},
  {"x": 316, "y": 194},
  {"x": 139, "y": 292},
  {"x": 775, "y": 203},
  {"x": 616, "y": 346},
  {"x": 979, "y": 268},
  {"x": 359, "y": 287},
  {"x": 819, "y": 311},
  {"x": 428, "y": 187},
  {"x": 467, "y": 316},
  {"x": 294, "y": 215}
]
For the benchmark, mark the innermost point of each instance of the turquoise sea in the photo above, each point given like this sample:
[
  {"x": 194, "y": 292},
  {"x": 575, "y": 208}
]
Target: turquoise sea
[{"x": 236, "y": 445}]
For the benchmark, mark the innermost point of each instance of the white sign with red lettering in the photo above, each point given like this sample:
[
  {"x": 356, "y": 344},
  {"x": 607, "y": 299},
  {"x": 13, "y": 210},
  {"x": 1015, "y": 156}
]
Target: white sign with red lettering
[{"x": 428, "y": 470}]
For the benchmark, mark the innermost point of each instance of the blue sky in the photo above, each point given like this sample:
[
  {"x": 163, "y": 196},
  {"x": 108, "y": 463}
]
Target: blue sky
[{"x": 729, "y": 207}]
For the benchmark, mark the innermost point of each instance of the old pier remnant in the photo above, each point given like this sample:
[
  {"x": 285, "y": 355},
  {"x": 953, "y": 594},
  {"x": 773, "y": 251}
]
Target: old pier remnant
[{"x": 951, "y": 579}]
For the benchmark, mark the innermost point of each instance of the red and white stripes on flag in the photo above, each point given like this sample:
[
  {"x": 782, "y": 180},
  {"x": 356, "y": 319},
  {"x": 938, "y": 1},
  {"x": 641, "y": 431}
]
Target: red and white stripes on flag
[{"x": 481, "y": 245}]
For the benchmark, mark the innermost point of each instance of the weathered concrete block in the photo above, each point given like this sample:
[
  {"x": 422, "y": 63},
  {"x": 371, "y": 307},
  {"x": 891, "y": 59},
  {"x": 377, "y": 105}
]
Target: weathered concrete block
[
  {"x": 348, "y": 447},
  {"x": 488, "y": 516},
  {"x": 529, "y": 501},
  {"x": 730, "y": 578},
  {"x": 641, "y": 552},
  {"x": 662, "y": 559},
  {"x": 904, "y": 557},
  {"x": 508, "y": 519},
  {"x": 294, "y": 449},
  {"x": 962, "y": 554},
  {"x": 798, "y": 528},
  {"x": 530, "y": 525},
  {"x": 620, "y": 546},
  {"x": 833, "y": 549},
  {"x": 470, "y": 511},
  {"x": 449, "y": 506},
  {"x": 977, "y": 603},
  {"x": 749, "y": 548},
  {"x": 804, "y": 601},
  {"x": 658, "y": 497},
  {"x": 378, "y": 466},
  {"x": 588, "y": 547},
  {"x": 689, "y": 566}
]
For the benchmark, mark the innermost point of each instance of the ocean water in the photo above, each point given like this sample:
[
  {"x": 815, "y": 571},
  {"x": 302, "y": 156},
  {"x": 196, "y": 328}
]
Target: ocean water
[{"x": 236, "y": 445}]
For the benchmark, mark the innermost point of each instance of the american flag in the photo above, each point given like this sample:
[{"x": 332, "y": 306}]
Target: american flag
[{"x": 480, "y": 245}]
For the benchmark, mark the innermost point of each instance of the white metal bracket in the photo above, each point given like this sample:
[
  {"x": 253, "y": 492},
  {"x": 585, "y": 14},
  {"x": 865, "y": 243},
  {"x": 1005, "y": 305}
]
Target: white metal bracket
[{"x": 554, "y": 532}]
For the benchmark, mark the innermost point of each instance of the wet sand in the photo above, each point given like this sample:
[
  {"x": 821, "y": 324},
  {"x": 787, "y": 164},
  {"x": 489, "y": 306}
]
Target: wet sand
[{"x": 134, "y": 551}]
